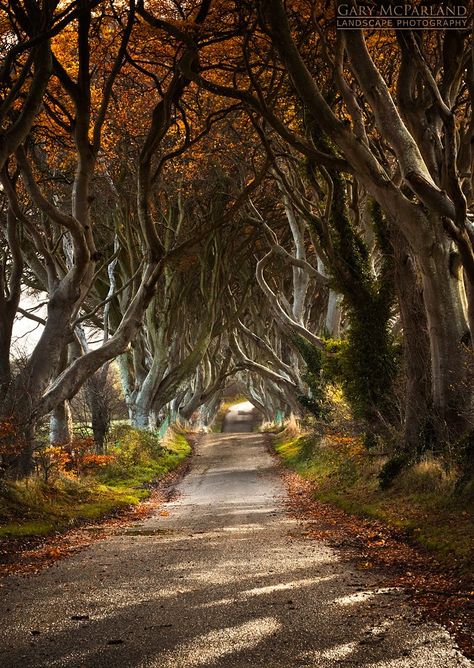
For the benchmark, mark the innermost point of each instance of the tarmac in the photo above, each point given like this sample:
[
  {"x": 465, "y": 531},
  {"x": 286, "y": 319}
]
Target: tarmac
[{"x": 220, "y": 577}]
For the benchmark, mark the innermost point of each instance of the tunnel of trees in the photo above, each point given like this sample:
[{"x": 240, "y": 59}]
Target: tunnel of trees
[{"x": 206, "y": 192}]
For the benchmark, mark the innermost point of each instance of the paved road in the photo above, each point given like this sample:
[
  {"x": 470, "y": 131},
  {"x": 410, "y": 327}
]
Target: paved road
[
  {"x": 241, "y": 417},
  {"x": 220, "y": 577}
]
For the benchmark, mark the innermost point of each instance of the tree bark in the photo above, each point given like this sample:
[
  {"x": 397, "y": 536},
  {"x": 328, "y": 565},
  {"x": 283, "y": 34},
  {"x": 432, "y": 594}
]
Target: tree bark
[
  {"x": 98, "y": 400},
  {"x": 61, "y": 424},
  {"x": 417, "y": 401},
  {"x": 451, "y": 366},
  {"x": 333, "y": 315}
]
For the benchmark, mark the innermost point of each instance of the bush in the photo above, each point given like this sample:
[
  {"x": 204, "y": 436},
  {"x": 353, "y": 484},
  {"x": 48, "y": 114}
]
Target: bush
[
  {"x": 57, "y": 497},
  {"x": 365, "y": 366},
  {"x": 132, "y": 446},
  {"x": 391, "y": 470},
  {"x": 428, "y": 476},
  {"x": 50, "y": 461},
  {"x": 10, "y": 444},
  {"x": 75, "y": 458},
  {"x": 333, "y": 364}
]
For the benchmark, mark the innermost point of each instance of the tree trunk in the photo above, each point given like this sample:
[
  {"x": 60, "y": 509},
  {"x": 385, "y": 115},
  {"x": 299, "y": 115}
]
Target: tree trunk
[
  {"x": 100, "y": 420},
  {"x": 333, "y": 315},
  {"x": 451, "y": 364},
  {"x": 5, "y": 351},
  {"x": 417, "y": 392},
  {"x": 98, "y": 400},
  {"x": 124, "y": 365},
  {"x": 140, "y": 417},
  {"x": 21, "y": 464},
  {"x": 25, "y": 463},
  {"x": 61, "y": 430},
  {"x": 470, "y": 306},
  {"x": 153, "y": 420}
]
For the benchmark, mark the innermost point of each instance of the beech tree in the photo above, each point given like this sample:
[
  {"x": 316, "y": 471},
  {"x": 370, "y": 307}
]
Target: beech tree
[
  {"x": 385, "y": 140},
  {"x": 423, "y": 179},
  {"x": 213, "y": 200},
  {"x": 26, "y": 68},
  {"x": 82, "y": 113}
]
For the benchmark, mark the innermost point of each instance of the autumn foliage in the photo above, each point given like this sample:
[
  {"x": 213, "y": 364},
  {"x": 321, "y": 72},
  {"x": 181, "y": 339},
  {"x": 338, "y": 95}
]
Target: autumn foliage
[
  {"x": 76, "y": 458},
  {"x": 216, "y": 191}
]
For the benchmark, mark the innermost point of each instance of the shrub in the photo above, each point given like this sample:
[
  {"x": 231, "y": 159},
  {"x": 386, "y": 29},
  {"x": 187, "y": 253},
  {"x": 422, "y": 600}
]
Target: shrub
[
  {"x": 333, "y": 364},
  {"x": 132, "y": 446},
  {"x": 428, "y": 476},
  {"x": 391, "y": 469},
  {"x": 10, "y": 444},
  {"x": 51, "y": 460},
  {"x": 75, "y": 458}
]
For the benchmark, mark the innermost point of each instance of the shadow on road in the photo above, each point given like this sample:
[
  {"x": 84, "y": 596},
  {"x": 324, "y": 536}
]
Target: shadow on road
[{"x": 220, "y": 577}]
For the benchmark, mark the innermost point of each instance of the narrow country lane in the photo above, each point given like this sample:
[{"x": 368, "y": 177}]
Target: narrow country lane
[{"x": 219, "y": 577}]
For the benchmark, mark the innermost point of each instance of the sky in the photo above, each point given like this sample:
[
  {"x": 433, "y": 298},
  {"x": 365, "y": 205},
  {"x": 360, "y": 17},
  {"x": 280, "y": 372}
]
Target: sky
[{"x": 26, "y": 332}]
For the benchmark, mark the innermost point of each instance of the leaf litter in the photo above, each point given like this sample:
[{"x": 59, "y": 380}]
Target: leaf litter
[{"x": 443, "y": 594}]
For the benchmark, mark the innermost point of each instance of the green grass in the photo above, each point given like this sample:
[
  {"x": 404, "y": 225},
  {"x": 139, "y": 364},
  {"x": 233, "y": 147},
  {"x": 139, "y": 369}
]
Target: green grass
[
  {"x": 423, "y": 501},
  {"x": 33, "y": 508}
]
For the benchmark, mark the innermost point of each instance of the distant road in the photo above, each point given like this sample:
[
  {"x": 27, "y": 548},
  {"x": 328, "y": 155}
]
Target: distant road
[{"x": 241, "y": 418}]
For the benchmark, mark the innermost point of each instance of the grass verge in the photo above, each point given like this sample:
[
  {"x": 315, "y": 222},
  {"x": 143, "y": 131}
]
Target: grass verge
[
  {"x": 423, "y": 501},
  {"x": 33, "y": 508}
]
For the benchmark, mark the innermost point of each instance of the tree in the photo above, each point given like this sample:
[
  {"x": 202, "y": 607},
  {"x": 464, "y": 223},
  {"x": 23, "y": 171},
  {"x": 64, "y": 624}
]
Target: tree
[
  {"x": 428, "y": 204},
  {"x": 70, "y": 278}
]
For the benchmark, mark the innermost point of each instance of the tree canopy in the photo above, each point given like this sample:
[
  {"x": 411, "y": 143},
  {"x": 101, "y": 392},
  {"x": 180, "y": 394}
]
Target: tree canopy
[{"x": 208, "y": 191}]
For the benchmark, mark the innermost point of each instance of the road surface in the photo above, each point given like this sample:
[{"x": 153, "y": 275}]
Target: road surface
[
  {"x": 220, "y": 577},
  {"x": 241, "y": 417}
]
